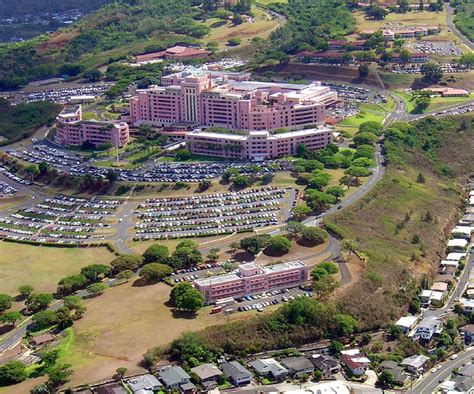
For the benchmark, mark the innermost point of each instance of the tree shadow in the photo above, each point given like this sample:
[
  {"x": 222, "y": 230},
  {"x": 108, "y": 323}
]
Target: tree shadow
[
  {"x": 6, "y": 328},
  {"x": 180, "y": 314},
  {"x": 242, "y": 256},
  {"x": 141, "y": 282},
  {"x": 307, "y": 244},
  {"x": 272, "y": 253}
]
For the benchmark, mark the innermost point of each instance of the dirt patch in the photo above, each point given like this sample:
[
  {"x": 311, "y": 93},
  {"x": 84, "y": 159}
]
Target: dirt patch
[{"x": 57, "y": 40}]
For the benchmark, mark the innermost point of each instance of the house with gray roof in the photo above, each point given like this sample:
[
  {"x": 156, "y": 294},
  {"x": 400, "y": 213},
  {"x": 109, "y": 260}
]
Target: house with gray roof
[
  {"x": 467, "y": 370},
  {"x": 236, "y": 373},
  {"x": 173, "y": 377},
  {"x": 325, "y": 364},
  {"x": 270, "y": 368},
  {"x": 298, "y": 366},
  {"x": 144, "y": 383},
  {"x": 207, "y": 372},
  {"x": 415, "y": 363}
]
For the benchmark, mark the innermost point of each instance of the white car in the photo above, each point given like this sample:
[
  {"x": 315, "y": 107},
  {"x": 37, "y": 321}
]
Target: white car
[{"x": 453, "y": 357}]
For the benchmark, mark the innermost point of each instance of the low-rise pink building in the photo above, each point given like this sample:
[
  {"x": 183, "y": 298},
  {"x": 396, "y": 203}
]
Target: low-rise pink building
[
  {"x": 250, "y": 279},
  {"x": 256, "y": 145},
  {"x": 72, "y": 130},
  {"x": 230, "y": 100}
]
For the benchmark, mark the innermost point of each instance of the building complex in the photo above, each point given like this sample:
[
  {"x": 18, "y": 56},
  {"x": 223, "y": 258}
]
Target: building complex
[
  {"x": 230, "y": 100},
  {"x": 71, "y": 129},
  {"x": 250, "y": 278},
  {"x": 256, "y": 145}
]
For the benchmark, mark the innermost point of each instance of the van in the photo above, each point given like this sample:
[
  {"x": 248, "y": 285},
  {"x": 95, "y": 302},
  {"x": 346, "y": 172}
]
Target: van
[{"x": 216, "y": 309}]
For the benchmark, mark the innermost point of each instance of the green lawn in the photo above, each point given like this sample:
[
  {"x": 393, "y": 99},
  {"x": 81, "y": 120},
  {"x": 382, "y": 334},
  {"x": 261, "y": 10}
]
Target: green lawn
[
  {"x": 406, "y": 97},
  {"x": 438, "y": 103},
  {"x": 368, "y": 112}
]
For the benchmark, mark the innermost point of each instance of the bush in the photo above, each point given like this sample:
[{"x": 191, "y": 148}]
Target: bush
[
  {"x": 154, "y": 272},
  {"x": 233, "y": 42},
  {"x": 279, "y": 245}
]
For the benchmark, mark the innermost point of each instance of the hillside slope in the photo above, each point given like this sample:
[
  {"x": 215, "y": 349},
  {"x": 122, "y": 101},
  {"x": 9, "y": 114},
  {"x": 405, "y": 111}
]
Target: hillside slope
[{"x": 402, "y": 225}]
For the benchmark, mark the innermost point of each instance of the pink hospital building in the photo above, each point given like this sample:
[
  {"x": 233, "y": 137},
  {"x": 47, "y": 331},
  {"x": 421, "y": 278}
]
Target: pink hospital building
[
  {"x": 250, "y": 279},
  {"x": 230, "y": 100},
  {"x": 72, "y": 130},
  {"x": 256, "y": 145}
]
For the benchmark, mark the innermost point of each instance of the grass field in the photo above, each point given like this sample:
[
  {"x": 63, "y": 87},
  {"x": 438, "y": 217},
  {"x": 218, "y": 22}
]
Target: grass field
[
  {"x": 116, "y": 334},
  {"x": 221, "y": 33},
  {"x": 438, "y": 103},
  {"x": 368, "y": 112},
  {"x": 42, "y": 267}
]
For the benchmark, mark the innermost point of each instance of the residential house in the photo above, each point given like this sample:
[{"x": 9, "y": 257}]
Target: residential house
[
  {"x": 468, "y": 332},
  {"x": 440, "y": 286},
  {"x": 425, "y": 297},
  {"x": 298, "y": 366},
  {"x": 144, "y": 383},
  {"x": 207, "y": 372},
  {"x": 397, "y": 371},
  {"x": 455, "y": 256},
  {"x": 173, "y": 377},
  {"x": 416, "y": 363},
  {"x": 42, "y": 340},
  {"x": 457, "y": 245},
  {"x": 270, "y": 368},
  {"x": 406, "y": 323},
  {"x": 356, "y": 369},
  {"x": 462, "y": 232},
  {"x": 427, "y": 328},
  {"x": 463, "y": 384},
  {"x": 325, "y": 364},
  {"x": 467, "y": 370},
  {"x": 236, "y": 373},
  {"x": 467, "y": 305}
]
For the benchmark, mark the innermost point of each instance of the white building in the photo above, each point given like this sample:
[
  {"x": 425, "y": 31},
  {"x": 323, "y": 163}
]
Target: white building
[
  {"x": 406, "y": 323},
  {"x": 427, "y": 328},
  {"x": 457, "y": 245}
]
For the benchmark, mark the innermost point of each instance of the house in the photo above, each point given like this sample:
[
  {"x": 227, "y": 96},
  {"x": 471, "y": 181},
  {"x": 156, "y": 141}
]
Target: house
[
  {"x": 462, "y": 232},
  {"x": 455, "y": 256},
  {"x": 336, "y": 44},
  {"x": 416, "y": 363},
  {"x": 427, "y": 328},
  {"x": 42, "y": 340},
  {"x": 207, "y": 372},
  {"x": 468, "y": 332},
  {"x": 173, "y": 377},
  {"x": 325, "y": 364},
  {"x": 144, "y": 383},
  {"x": 463, "y": 384},
  {"x": 298, "y": 366},
  {"x": 111, "y": 388},
  {"x": 448, "y": 92},
  {"x": 406, "y": 323},
  {"x": 236, "y": 373},
  {"x": 356, "y": 369},
  {"x": 270, "y": 368},
  {"x": 467, "y": 305},
  {"x": 425, "y": 297},
  {"x": 467, "y": 370},
  {"x": 457, "y": 245},
  {"x": 188, "y": 388},
  {"x": 437, "y": 296},
  {"x": 440, "y": 286},
  {"x": 400, "y": 376}
]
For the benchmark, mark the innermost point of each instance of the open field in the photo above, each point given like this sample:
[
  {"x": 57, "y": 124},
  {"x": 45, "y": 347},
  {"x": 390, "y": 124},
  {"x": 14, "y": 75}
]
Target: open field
[
  {"x": 443, "y": 102},
  {"x": 368, "y": 112},
  {"x": 116, "y": 334},
  {"x": 221, "y": 33},
  {"x": 415, "y": 18},
  {"x": 42, "y": 267},
  {"x": 9, "y": 202}
]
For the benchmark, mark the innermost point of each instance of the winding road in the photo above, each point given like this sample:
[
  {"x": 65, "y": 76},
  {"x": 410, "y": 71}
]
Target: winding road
[{"x": 453, "y": 28}]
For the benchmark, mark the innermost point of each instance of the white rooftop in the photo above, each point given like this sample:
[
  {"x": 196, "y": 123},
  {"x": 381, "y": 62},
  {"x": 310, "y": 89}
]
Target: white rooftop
[
  {"x": 406, "y": 321},
  {"x": 455, "y": 256},
  {"x": 457, "y": 243}
]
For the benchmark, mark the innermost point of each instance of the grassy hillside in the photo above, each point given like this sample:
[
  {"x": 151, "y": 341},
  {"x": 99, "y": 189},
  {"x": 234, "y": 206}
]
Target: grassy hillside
[
  {"x": 401, "y": 226},
  {"x": 464, "y": 20}
]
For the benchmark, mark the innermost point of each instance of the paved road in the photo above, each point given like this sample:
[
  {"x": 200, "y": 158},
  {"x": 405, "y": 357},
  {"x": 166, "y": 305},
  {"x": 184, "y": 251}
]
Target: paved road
[
  {"x": 430, "y": 381},
  {"x": 453, "y": 28}
]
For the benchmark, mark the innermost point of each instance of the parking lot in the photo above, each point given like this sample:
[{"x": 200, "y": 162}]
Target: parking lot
[
  {"x": 441, "y": 48},
  {"x": 59, "y": 219},
  {"x": 65, "y": 94},
  {"x": 448, "y": 68},
  {"x": 259, "y": 302},
  {"x": 220, "y": 213},
  {"x": 6, "y": 190}
]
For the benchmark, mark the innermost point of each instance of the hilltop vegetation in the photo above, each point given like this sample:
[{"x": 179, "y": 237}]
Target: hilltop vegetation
[
  {"x": 402, "y": 225},
  {"x": 9, "y": 8},
  {"x": 464, "y": 20}
]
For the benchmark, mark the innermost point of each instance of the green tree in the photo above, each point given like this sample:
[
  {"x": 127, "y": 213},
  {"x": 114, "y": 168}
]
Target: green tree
[
  {"x": 126, "y": 262},
  {"x": 279, "y": 244},
  {"x": 59, "y": 374},
  {"x": 301, "y": 211},
  {"x": 12, "y": 372},
  {"x": 25, "y": 291},
  {"x": 255, "y": 243},
  {"x": 371, "y": 127},
  {"x": 184, "y": 296},
  {"x": 154, "y": 272},
  {"x": 96, "y": 289},
  {"x": 336, "y": 347},
  {"x": 405, "y": 55},
  {"x": 38, "y": 302},
  {"x": 345, "y": 324},
  {"x": 156, "y": 254},
  {"x": 63, "y": 318},
  {"x": 5, "y": 302},
  {"x": 121, "y": 372},
  {"x": 336, "y": 191},
  {"x": 44, "y": 319},
  {"x": 10, "y": 317},
  {"x": 324, "y": 287},
  {"x": 241, "y": 181},
  {"x": 386, "y": 379},
  {"x": 294, "y": 229},
  {"x": 183, "y": 154},
  {"x": 330, "y": 267},
  {"x": 72, "y": 283},
  {"x": 95, "y": 272},
  {"x": 365, "y": 138},
  {"x": 363, "y": 70},
  {"x": 313, "y": 235},
  {"x": 318, "y": 201},
  {"x": 431, "y": 71}
]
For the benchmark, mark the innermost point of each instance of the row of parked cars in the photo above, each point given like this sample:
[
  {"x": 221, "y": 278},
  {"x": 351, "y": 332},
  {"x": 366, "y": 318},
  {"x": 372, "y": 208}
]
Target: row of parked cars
[
  {"x": 8, "y": 174},
  {"x": 65, "y": 94},
  {"x": 6, "y": 189}
]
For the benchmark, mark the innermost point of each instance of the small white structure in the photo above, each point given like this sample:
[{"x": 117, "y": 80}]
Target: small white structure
[
  {"x": 335, "y": 386},
  {"x": 406, "y": 323},
  {"x": 457, "y": 244},
  {"x": 462, "y": 231},
  {"x": 415, "y": 363},
  {"x": 455, "y": 256},
  {"x": 449, "y": 263},
  {"x": 84, "y": 99},
  {"x": 428, "y": 327}
]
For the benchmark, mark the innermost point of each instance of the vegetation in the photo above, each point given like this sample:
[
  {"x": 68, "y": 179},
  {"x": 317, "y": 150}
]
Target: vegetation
[
  {"x": 463, "y": 19},
  {"x": 20, "y": 121},
  {"x": 185, "y": 297},
  {"x": 396, "y": 209}
]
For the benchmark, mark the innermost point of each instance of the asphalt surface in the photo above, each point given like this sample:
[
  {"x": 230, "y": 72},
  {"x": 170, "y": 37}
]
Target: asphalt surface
[
  {"x": 431, "y": 381},
  {"x": 453, "y": 28}
]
